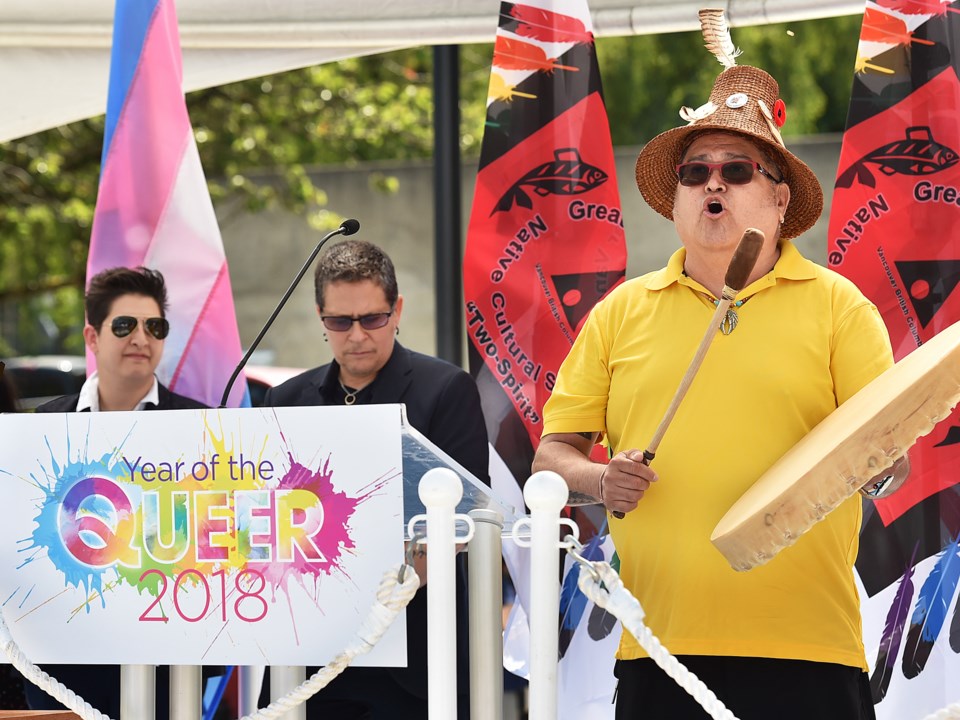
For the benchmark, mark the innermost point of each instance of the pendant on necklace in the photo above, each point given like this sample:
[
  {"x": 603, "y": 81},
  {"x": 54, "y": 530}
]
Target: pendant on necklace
[
  {"x": 349, "y": 394},
  {"x": 729, "y": 322}
]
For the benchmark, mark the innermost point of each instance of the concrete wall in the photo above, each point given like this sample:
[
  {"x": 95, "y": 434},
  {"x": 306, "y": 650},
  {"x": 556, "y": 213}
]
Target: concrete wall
[{"x": 266, "y": 250}]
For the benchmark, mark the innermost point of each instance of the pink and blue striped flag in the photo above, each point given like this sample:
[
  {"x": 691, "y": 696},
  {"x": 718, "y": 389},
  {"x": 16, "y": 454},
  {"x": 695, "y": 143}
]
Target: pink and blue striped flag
[{"x": 153, "y": 207}]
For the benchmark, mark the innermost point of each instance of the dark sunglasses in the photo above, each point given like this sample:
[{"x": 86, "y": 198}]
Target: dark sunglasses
[
  {"x": 342, "y": 323},
  {"x": 123, "y": 325},
  {"x": 735, "y": 172}
]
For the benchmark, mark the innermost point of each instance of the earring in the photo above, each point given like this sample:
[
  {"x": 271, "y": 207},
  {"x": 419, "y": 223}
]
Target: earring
[
  {"x": 325, "y": 338},
  {"x": 398, "y": 331}
]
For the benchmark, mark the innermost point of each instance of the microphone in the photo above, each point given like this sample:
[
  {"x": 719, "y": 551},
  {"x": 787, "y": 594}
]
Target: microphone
[{"x": 347, "y": 227}]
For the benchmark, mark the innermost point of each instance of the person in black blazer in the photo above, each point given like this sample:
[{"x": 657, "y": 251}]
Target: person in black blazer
[
  {"x": 360, "y": 307},
  {"x": 125, "y": 331},
  {"x": 166, "y": 400}
]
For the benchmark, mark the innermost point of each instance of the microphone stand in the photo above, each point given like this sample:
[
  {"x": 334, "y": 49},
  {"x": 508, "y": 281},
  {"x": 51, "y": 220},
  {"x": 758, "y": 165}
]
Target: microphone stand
[{"x": 347, "y": 227}]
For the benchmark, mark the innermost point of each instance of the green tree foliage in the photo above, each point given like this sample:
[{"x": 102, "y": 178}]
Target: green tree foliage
[
  {"x": 647, "y": 79},
  {"x": 48, "y": 184},
  {"x": 259, "y": 138},
  {"x": 360, "y": 109}
]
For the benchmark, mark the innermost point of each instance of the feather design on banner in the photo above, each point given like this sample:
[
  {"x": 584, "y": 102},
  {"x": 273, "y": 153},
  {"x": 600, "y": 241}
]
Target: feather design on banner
[
  {"x": 547, "y": 26},
  {"x": 955, "y": 629},
  {"x": 918, "y": 7},
  {"x": 892, "y": 634},
  {"x": 512, "y": 54},
  {"x": 500, "y": 89},
  {"x": 601, "y": 623},
  {"x": 930, "y": 612},
  {"x": 882, "y": 27},
  {"x": 716, "y": 32},
  {"x": 573, "y": 602},
  {"x": 952, "y": 516}
]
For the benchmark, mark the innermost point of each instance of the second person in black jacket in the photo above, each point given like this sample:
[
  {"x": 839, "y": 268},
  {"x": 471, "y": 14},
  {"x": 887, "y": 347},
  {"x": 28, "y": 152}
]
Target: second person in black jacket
[{"x": 360, "y": 307}]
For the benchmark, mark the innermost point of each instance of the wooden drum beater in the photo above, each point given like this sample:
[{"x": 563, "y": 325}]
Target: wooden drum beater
[{"x": 738, "y": 273}]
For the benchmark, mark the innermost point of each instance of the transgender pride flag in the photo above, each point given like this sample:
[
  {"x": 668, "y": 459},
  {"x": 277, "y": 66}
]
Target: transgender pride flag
[{"x": 153, "y": 208}]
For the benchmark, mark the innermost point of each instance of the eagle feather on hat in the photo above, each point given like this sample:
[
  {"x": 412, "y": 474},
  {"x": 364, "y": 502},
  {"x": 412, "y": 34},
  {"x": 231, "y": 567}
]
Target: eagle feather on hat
[{"x": 716, "y": 33}]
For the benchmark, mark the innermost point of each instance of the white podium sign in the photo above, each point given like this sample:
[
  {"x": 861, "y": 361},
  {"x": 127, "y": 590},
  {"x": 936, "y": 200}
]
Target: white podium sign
[{"x": 223, "y": 537}]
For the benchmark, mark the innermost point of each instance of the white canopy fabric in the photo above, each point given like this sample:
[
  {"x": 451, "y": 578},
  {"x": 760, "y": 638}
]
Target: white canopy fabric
[{"x": 55, "y": 54}]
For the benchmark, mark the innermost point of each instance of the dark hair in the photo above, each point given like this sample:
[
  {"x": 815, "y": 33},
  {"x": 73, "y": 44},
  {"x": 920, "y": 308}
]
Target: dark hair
[
  {"x": 355, "y": 261},
  {"x": 108, "y": 285}
]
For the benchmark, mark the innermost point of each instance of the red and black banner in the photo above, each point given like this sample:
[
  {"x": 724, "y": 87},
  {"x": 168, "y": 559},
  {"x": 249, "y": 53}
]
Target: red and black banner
[
  {"x": 546, "y": 239},
  {"x": 895, "y": 231}
]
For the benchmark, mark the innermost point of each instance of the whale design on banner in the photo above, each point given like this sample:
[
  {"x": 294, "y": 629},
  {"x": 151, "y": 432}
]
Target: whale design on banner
[
  {"x": 917, "y": 154},
  {"x": 566, "y": 174}
]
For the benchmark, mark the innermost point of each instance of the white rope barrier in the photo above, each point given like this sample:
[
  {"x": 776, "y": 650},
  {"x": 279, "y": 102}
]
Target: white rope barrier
[
  {"x": 603, "y": 586},
  {"x": 951, "y": 712},
  {"x": 600, "y": 583},
  {"x": 62, "y": 694},
  {"x": 393, "y": 596},
  {"x": 397, "y": 588}
]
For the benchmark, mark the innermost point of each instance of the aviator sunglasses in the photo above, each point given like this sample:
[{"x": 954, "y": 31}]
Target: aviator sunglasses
[
  {"x": 735, "y": 172},
  {"x": 342, "y": 323},
  {"x": 123, "y": 325}
]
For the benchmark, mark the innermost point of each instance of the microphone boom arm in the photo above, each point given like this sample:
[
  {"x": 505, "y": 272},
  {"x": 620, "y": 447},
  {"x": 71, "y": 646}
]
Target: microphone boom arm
[{"x": 347, "y": 227}]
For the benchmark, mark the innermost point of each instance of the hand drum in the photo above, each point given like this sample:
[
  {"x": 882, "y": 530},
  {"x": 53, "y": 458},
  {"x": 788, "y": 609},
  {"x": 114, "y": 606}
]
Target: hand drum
[{"x": 856, "y": 442}]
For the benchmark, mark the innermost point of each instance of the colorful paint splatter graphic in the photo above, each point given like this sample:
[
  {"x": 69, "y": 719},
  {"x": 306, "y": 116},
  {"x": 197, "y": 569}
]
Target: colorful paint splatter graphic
[{"x": 226, "y": 522}]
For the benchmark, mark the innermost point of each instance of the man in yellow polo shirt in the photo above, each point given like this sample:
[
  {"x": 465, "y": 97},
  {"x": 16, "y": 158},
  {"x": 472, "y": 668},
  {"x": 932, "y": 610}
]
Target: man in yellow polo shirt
[{"x": 784, "y": 640}]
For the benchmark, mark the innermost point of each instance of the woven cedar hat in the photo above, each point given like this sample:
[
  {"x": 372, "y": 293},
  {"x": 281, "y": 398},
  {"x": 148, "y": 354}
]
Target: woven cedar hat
[{"x": 744, "y": 100}]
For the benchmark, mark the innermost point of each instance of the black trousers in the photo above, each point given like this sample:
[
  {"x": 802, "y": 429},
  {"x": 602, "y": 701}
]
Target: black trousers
[
  {"x": 362, "y": 693},
  {"x": 751, "y": 688}
]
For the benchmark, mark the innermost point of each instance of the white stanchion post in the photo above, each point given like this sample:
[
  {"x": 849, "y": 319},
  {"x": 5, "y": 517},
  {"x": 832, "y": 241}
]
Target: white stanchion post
[
  {"x": 485, "y": 585},
  {"x": 249, "y": 680},
  {"x": 440, "y": 491},
  {"x": 138, "y": 692},
  {"x": 545, "y": 493},
  {"x": 285, "y": 679},
  {"x": 186, "y": 694}
]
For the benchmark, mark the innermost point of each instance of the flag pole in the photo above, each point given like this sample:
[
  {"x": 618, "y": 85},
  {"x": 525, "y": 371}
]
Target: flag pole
[{"x": 447, "y": 231}]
